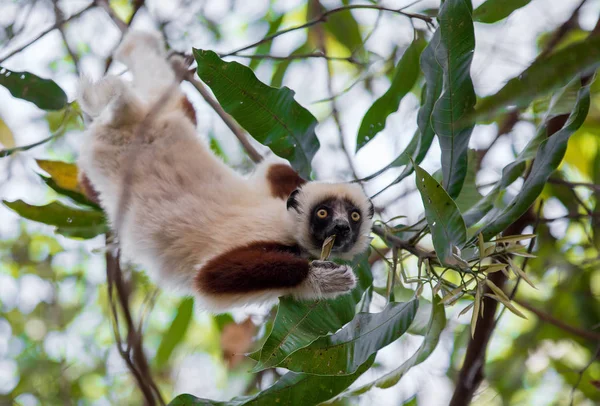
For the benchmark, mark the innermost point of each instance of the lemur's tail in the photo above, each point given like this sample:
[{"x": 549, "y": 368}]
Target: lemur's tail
[{"x": 144, "y": 55}]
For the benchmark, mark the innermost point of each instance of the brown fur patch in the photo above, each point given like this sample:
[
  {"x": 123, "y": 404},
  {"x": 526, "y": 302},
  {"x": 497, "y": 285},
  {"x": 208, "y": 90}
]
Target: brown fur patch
[
  {"x": 283, "y": 180},
  {"x": 87, "y": 189},
  {"x": 256, "y": 267},
  {"x": 188, "y": 109}
]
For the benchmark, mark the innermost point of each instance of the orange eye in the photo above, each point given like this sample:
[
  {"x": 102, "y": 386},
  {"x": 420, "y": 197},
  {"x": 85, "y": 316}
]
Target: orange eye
[
  {"x": 322, "y": 213},
  {"x": 355, "y": 216}
]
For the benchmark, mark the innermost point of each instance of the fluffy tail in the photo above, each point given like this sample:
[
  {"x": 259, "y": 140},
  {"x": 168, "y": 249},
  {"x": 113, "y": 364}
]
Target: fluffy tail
[{"x": 145, "y": 56}]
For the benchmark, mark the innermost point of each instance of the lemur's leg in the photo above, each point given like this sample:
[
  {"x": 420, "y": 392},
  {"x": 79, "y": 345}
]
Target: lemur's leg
[{"x": 264, "y": 267}]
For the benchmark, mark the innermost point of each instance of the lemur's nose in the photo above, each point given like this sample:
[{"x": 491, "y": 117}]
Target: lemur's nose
[{"x": 341, "y": 228}]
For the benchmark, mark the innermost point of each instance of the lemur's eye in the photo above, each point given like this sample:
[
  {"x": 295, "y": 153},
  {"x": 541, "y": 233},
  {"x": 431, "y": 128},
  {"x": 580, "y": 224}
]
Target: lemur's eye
[
  {"x": 355, "y": 216},
  {"x": 322, "y": 213}
]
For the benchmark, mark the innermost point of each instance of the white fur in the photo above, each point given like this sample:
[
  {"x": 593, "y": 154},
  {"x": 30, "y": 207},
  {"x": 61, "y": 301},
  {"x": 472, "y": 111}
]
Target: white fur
[{"x": 186, "y": 206}]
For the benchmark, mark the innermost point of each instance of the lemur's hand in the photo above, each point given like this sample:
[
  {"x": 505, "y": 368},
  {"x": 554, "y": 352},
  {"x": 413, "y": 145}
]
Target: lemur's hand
[{"x": 331, "y": 278}]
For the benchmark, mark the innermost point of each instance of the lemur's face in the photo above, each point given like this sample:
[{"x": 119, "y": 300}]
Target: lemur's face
[{"x": 323, "y": 210}]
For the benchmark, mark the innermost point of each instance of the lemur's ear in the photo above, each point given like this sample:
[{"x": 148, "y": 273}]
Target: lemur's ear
[
  {"x": 292, "y": 201},
  {"x": 371, "y": 209}
]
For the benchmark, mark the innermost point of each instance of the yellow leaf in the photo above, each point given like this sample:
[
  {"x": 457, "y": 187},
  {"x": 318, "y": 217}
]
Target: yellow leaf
[
  {"x": 466, "y": 309},
  {"x": 493, "y": 267},
  {"x": 507, "y": 304},
  {"x": 514, "y": 238},
  {"x": 496, "y": 289},
  {"x": 475, "y": 315},
  {"x": 64, "y": 174},
  {"x": 519, "y": 272},
  {"x": 481, "y": 245},
  {"x": 327, "y": 247},
  {"x": 6, "y": 137},
  {"x": 452, "y": 295}
]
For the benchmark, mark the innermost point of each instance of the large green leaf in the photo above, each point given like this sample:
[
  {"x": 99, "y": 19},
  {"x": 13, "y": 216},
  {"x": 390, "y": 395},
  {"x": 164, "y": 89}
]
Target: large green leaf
[
  {"x": 292, "y": 389},
  {"x": 176, "y": 332},
  {"x": 71, "y": 222},
  {"x": 44, "y": 93},
  {"x": 270, "y": 115},
  {"x": 549, "y": 155},
  {"x": 345, "y": 351},
  {"x": 445, "y": 222},
  {"x": 421, "y": 141},
  {"x": 455, "y": 54},
  {"x": 495, "y": 10},
  {"x": 299, "y": 323},
  {"x": 437, "y": 322},
  {"x": 405, "y": 77},
  {"x": 543, "y": 76}
]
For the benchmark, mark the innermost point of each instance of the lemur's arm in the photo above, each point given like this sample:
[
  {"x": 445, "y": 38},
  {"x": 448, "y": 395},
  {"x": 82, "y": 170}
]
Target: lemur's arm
[{"x": 271, "y": 266}]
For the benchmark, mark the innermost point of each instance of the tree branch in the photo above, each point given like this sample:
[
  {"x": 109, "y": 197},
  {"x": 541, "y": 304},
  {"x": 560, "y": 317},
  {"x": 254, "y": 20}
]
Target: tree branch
[
  {"x": 240, "y": 134},
  {"x": 44, "y": 32},
  {"x": 323, "y": 18},
  {"x": 585, "y": 334}
]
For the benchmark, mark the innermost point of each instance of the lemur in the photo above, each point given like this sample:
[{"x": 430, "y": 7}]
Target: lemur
[{"x": 193, "y": 221}]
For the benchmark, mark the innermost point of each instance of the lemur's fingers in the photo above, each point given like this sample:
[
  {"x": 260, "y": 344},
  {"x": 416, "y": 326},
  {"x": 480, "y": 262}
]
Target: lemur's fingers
[{"x": 331, "y": 278}]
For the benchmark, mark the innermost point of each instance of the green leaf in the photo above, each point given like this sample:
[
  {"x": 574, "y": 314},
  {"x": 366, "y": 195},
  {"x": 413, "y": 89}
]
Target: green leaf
[
  {"x": 437, "y": 322},
  {"x": 176, "y": 332},
  {"x": 455, "y": 54},
  {"x": 265, "y": 47},
  {"x": 343, "y": 352},
  {"x": 543, "y": 76},
  {"x": 405, "y": 77},
  {"x": 445, "y": 222},
  {"x": 495, "y": 10},
  {"x": 270, "y": 115},
  {"x": 469, "y": 195},
  {"x": 345, "y": 29},
  {"x": 549, "y": 155},
  {"x": 71, "y": 222},
  {"x": 299, "y": 323},
  {"x": 44, "y": 93},
  {"x": 292, "y": 389}
]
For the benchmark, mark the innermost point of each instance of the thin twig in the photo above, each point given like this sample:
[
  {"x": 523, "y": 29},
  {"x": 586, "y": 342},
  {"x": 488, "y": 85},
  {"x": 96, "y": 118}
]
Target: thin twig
[
  {"x": 60, "y": 18},
  {"x": 593, "y": 358},
  {"x": 302, "y": 56},
  {"x": 557, "y": 181},
  {"x": 323, "y": 17},
  {"x": 585, "y": 334},
  {"x": 44, "y": 32},
  {"x": 399, "y": 243},
  {"x": 254, "y": 155}
]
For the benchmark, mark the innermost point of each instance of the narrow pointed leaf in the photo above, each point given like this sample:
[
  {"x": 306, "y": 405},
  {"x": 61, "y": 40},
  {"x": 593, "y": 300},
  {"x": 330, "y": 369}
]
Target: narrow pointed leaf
[
  {"x": 543, "y": 76},
  {"x": 405, "y": 77},
  {"x": 299, "y": 323},
  {"x": 495, "y": 10},
  {"x": 292, "y": 389},
  {"x": 445, "y": 222},
  {"x": 175, "y": 333},
  {"x": 457, "y": 101},
  {"x": 507, "y": 304},
  {"x": 549, "y": 156},
  {"x": 270, "y": 115},
  {"x": 44, "y": 93},
  {"x": 343, "y": 352},
  {"x": 71, "y": 222}
]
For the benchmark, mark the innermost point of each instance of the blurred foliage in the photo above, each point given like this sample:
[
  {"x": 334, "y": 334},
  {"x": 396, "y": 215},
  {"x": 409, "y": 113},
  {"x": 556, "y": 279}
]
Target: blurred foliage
[{"x": 57, "y": 331}]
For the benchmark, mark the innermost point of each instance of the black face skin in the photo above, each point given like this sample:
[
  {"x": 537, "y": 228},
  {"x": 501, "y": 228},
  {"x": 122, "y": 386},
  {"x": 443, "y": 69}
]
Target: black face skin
[{"x": 334, "y": 216}]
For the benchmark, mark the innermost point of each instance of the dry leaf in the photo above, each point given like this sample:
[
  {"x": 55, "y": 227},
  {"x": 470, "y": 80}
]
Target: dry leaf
[
  {"x": 327, "y": 247},
  {"x": 236, "y": 340}
]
